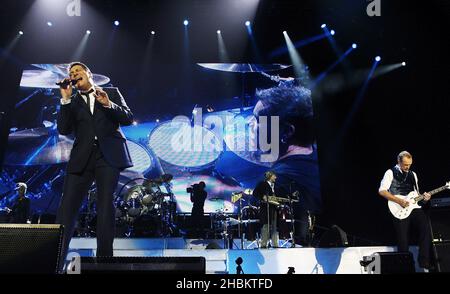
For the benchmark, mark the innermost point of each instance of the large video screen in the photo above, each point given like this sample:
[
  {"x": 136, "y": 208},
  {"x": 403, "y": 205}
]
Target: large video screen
[{"x": 263, "y": 123}]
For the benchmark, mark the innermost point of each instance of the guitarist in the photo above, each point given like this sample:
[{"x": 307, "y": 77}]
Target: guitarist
[
  {"x": 400, "y": 180},
  {"x": 268, "y": 219}
]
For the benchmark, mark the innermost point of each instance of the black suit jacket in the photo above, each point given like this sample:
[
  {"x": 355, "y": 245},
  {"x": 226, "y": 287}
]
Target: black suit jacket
[
  {"x": 105, "y": 123},
  {"x": 263, "y": 189}
]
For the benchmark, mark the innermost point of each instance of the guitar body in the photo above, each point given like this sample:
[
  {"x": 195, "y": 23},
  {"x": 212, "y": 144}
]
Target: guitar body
[
  {"x": 413, "y": 198},
  {"x": 398, "y": 211}
]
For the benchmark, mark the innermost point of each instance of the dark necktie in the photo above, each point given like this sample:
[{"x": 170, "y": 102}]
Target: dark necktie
[{"x": 88, "y": 98}]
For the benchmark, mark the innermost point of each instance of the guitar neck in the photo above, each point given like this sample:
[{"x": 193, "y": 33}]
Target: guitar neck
[{"x": 432, "y": 192}]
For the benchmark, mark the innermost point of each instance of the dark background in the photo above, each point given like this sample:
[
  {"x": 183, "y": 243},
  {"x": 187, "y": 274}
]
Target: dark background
[{"x": 405, "y": 109}]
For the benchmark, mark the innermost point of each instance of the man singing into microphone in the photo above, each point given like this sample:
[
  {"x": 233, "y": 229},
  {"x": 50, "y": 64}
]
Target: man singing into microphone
[{"x": 94, "y": 116}]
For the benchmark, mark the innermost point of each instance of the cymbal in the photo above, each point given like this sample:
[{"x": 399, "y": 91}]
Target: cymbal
[
  {"x": 48, "y": 74},
  {"x": 38, "y": 146},
  {"x": 248, "y": 192},
  {"x": 243, "y": 67}
]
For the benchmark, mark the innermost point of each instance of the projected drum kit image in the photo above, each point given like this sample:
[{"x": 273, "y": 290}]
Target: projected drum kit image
[{"x": 145, "y": 206}]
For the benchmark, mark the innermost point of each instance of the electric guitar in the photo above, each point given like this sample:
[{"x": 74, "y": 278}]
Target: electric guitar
[{"x": 413, "y": 198}]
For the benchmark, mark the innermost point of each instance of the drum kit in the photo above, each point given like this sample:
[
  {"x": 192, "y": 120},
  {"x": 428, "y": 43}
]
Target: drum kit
[{"x": 148, "y": 208}]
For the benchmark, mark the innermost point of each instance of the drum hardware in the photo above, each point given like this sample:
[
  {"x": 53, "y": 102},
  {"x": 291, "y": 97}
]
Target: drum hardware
[{"x": 146, "y": 202}]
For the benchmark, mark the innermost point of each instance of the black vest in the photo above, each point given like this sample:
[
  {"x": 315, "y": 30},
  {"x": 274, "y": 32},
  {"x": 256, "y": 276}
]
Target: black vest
[{"x": 402, "y": 183}]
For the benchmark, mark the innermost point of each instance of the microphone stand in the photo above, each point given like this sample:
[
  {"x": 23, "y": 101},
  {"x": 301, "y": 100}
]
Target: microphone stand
[
  {"x": 291, "y": 210},
  {"x": 268, "y": 220}
]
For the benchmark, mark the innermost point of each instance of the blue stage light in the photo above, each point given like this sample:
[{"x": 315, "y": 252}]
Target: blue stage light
[
  {"x": 378, "y": 58},
  {"x": 116, "y": 23},
  {"x": 185, "y": 22},
  {"x": 323, "y": 26},
  {"x": 332, "y": 32},
  {"x": 247, "y": 23},
  {"x": 354, "y": 45}
]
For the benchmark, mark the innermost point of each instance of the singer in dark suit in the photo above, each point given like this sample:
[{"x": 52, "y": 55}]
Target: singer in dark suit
[{"x": 94, "y": 116}]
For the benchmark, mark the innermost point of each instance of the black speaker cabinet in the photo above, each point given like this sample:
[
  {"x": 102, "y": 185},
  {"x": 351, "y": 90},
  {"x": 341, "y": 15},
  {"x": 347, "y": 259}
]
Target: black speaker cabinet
[
  {"x": 442, "y": 256},
  {"x": 389, "y": 263},
  {"x": 440, "y": 223},
  {"x": 30, "y": 248},
  {"x": 124, "y": 265}
]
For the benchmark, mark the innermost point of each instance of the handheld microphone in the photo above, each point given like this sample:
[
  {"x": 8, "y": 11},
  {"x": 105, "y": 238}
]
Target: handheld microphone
[{"x": 65, "y": 83}]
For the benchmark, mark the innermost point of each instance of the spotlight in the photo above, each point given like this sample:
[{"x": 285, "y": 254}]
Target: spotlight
[
  {"x": 20, "y": 32},
  {"x": 152, "y": 32},
  {"x": 218, "y": 31},
  {"x": 332, "y": 32},
  {"x": 354, "y": 45},
  {"x": 49, "y": 23},
  {"x": 403, "y": 63},
  {"x": 378, "y": 58},
  {"x": 88, "y": 32},
  {"x": 135, "y": 123},
  {"x": 323, "y": 26},
  {"x": 247, "y": 23},
  {"x": 157, "y": 120},
  {"x": 116, "y": 23},
  {"x": 284, "y": 32},
  {"x": 185, "y": 22}
]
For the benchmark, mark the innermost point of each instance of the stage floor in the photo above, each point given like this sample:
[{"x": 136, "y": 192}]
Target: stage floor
[{"x": 255, "y": 261}]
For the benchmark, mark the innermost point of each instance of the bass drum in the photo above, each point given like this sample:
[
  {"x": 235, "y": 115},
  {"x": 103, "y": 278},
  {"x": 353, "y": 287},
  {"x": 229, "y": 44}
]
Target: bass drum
[{"x": 284, "y": 221}]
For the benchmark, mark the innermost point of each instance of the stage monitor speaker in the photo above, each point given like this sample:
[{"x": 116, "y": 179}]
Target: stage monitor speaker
[
  {"x": 119, "y": 264},
  {"x": 442, "y": 256},
  {"x": 440, "y": 223},
  {"x": 389, "y": 263},
  {"x": 30, "y": 248}
]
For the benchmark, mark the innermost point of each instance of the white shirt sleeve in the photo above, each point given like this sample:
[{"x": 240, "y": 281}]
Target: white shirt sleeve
[
  {"x": 386, "y": 181},
  {"x": 65, "y": 101}
]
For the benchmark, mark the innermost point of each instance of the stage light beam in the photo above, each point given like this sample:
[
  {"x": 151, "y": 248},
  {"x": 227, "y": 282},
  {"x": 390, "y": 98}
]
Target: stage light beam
[
  {"x": 299, "y": 66},
  {"x": 403, "y": 63},
  {"x": 323, "y": 26},
  {"x": 354, "y": 45},
  {"x": 378, "y": 59},
  {"x": 186, "y": 22},
  {"x": 218, "y": 32},
  {"x": 332, "y": 32},
  {"x": 247, "y": 23},
  {"x": 116, "y": 23},
  {"x": 20, "y": 32},
  {"x": 88, "y": 32}
]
